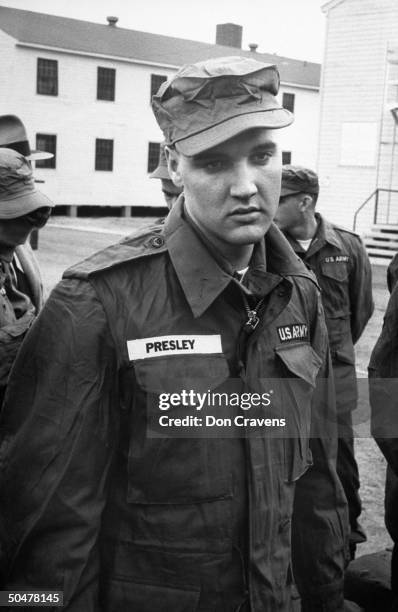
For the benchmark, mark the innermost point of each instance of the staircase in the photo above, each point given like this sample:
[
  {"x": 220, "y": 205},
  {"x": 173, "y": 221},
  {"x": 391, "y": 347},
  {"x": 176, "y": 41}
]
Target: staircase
[{"x": 381, "y": 243}]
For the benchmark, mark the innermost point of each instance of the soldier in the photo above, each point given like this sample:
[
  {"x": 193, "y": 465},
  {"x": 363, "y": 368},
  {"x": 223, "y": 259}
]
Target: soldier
[
  {"x": 341, "y": 265},
  {"x": 22, "y": 208},
  {"x": 13, "y": 136},
  {"x": 383, "y": 387},
  {"x": 109, "y": 513},
  {"x": 169, "y": 190}
]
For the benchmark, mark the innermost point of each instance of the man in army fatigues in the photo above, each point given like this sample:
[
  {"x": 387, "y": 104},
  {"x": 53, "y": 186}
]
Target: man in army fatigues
[
  {"x": 341, "y": 265},
  {"x": 120, "y": 519},
  {"x": 22, "y": 209}
]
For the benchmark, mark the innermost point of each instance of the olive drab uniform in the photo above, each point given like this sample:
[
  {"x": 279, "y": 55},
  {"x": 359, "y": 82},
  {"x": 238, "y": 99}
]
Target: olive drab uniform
[
  {"x": 21, "y": 298},
  {"x": 171, "y": 524},
  {"x": 383, "y": 388},
  {"x": 341, "y": 265}
]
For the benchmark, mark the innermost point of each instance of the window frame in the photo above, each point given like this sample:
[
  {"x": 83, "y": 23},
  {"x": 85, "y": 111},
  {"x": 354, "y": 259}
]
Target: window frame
[
  {"x": 100, "y": 142},
  {"x": 154, "y": 88},
  {"x": 107, "y": 93},
  {"x": 152, "y": 147},
  {"x": 289, "y": 105},
  {"x": 46, "y": 84},
  {"x": 50, "y": 163}
]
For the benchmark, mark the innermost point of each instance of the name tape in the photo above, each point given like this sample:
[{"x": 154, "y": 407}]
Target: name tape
[{"x": 144, "y": 348}]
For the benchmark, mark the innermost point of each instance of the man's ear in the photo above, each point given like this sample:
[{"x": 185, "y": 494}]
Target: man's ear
[
  {"x": 306, "y": 203},
  {"x": 173, "y": 165}
]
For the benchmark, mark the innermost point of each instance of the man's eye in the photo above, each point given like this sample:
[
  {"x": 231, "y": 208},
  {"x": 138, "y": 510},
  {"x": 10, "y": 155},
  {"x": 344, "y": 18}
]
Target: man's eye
[
  {"x": 262, "y": 157},
  {"x": 213, "y": 165}
]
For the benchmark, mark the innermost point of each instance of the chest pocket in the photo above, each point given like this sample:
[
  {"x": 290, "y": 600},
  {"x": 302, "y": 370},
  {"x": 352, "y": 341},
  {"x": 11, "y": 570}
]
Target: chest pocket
[
  {"x": 171, "y": 470},
  {"x": 172, "y": 373},
  {"x": 301, "y": 364},
  {"x": 337, "y": 271}
]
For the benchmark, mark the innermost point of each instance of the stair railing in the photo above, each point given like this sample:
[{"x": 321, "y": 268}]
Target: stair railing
[
  {"x": 374, "y": 194},
  {"x": 358, "y": 210}
]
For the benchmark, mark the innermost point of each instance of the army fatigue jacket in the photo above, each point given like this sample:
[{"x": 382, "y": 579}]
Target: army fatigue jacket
[
  {"x": 121, "y": 521},
  {"x": 342, "y": 268},
  {"x": 20, "y": 302},
  {"x": 383, "y": 393}
]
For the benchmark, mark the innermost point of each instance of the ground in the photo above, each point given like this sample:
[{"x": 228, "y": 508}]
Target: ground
[{"x": 65, "y": 241}]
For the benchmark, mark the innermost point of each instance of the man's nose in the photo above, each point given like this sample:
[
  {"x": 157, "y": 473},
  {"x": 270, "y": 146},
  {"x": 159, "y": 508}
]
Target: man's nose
[{"x": 243, "y": 184}]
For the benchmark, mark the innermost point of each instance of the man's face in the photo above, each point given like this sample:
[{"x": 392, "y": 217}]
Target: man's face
[
  {"x": 288, "y": 214},
  {"x": 170, "y": 192},
  {"x": 232, "y": 190},
  {"x": 16, "y": 231}
]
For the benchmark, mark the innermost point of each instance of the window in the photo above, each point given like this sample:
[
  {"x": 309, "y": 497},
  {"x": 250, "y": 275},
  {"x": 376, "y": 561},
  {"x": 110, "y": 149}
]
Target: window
[
  {"x": 153, "y": 155},
  {"x": 156, "y": 81},
  {"x": 106, "y": 83},
  {"x": 103, "y": 154},
  {"x": 48, "y": 143},
  {"x": 47, "y": 77},
  {"x": 288, "y": 102},
  {"x": 286, "y": 157}
]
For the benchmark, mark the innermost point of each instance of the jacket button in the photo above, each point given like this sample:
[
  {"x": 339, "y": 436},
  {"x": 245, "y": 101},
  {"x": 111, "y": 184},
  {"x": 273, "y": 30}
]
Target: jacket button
[{"x": 157, "y": 242}]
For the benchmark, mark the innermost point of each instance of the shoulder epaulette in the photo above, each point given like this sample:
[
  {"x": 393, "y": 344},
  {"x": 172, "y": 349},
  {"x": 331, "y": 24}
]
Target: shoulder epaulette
[
  {"x": 307, "y": 274},
  {"x": 144, "y": 243},
  {"x": 344, "y": 229}
]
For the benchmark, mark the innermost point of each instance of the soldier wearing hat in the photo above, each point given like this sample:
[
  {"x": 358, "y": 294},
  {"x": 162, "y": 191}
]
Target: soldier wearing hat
[
  {"x": 127, "y": 499},
  {"x": 13, "y": 136},
  {"x": 341, "y": 265},
  {"x": 169, "y": 190},
  {"x": 22, "y": 208}
]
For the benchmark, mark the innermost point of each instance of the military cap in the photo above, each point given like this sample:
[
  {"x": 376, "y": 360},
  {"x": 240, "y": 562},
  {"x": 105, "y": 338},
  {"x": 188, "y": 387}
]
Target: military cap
[
  {"x": 297, "y": 179},
  {"x": 18, "y": 194},
  {"x": 207, "y": 103}
]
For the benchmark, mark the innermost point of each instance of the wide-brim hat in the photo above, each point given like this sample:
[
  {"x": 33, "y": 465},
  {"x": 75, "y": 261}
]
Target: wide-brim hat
[
  {"x": 207, "y": 103},
  {"x": 18, "y": 194},
  {"x": 13, "y": 136}
]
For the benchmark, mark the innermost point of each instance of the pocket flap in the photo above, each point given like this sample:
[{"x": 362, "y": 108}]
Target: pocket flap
[
  {"x": 337, "y": 271},
  {"x": 301, "y": 360}
]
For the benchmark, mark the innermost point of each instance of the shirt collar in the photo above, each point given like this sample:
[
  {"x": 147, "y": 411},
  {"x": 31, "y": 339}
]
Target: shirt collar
[
  {"x": 203, "y": 278},
  {"x": 326, "y": 232}
]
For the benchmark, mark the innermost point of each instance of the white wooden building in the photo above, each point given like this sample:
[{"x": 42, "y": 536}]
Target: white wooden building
[
  {"x": 359, "y": 91},
  {"x": 83, "y": 90}
]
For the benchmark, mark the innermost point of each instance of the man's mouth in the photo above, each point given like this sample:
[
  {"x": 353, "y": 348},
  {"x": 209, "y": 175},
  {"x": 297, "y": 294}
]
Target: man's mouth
[{"x": 245, "y": 210}]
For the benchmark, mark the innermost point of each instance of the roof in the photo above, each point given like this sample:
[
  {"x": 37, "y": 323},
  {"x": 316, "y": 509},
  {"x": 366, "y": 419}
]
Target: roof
[
  {"x": 50, "y": 31},
  {"x": 328, "y": 6}
]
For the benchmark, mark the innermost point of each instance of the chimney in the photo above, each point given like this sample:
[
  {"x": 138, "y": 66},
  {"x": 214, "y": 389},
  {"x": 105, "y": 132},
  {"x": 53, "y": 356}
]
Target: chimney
[
  {"x": 229, "y": 34},
  {"x": 253, "y": 47},
  {"x": 112, "y": 21}
]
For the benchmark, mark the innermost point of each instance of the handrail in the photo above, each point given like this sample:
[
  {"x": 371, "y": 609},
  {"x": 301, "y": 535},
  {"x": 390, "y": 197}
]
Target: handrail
[
  {"x": 360, "y": 208},
  {"x": 374, "y": 193}
]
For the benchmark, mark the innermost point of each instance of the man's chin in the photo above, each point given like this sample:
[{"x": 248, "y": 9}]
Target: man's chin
[{"x": 249, "y": 235}]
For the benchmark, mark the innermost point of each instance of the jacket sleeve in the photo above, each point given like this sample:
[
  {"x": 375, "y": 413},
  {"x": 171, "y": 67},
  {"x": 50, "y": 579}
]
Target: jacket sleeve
[
  {"x": 320, "y": 519},
  {"x": 360, "y": 287},
  {"x": 383, "y": 385},
  {"x": 57, "y": 437},
  {"x": 392, "y": 273}
]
